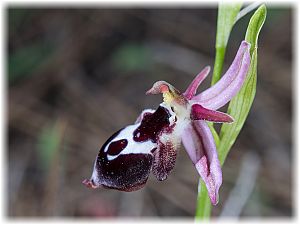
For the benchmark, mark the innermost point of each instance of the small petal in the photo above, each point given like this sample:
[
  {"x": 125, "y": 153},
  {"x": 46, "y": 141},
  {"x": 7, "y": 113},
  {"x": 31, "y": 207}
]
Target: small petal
[
  {"x": 170, "y": 93},
  {"x": 159, "y": 87},
  {"x": 200, "y": 113},
  {"x": 230, "y": 83},
  {"x": 191, "y": 90},
  {"x": 199, "y": 144}
]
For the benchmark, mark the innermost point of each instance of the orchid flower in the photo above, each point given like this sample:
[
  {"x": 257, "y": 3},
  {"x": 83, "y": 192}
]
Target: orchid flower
[{"x": 125, "y": 160}]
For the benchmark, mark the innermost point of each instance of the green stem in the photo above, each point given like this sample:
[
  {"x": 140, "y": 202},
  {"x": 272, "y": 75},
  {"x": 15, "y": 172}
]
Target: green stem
[
  {"x": 218, "y": 66},
  {"x": 204, "y": 206},
  {"x": 227, "y": 16},
  {"x": 239, "y": 106}
]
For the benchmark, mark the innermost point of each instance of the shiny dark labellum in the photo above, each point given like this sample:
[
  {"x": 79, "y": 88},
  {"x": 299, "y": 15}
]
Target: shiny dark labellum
[{"x": 125, "y": 160}]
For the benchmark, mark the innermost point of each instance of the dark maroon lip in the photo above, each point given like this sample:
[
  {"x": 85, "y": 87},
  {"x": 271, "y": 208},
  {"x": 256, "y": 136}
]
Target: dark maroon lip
[
  {"x": 116, "y": 147},
  {"x": 130, "y": 171},
  {"x": 152, "y": 125},
  {"x": 127, "y": 172},
  {"x": 109, "y": 140}
]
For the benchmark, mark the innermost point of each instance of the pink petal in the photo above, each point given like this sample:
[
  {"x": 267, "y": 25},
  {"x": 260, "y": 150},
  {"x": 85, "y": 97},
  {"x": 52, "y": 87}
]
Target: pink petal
[
  {"x": 230, "y": 83},
  {"x": 199, "y": 144},
  {"x": 191, "y": 90},
  {"x": 200, "y": 113}
]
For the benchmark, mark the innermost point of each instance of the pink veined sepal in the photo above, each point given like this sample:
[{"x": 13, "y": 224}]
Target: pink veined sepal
[
  {"x": 200, "y": 146},
  {"x": 230, "y": 83}
]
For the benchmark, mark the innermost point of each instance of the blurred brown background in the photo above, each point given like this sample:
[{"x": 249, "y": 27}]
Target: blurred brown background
[{"x": 76, "y": 75}]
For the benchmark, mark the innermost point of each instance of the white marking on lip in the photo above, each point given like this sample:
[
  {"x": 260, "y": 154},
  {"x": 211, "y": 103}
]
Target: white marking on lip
[
  {"x": 132, "y": 147},
  {"x": 171, "y": 112},
  {"x": 145, "y": 147}
]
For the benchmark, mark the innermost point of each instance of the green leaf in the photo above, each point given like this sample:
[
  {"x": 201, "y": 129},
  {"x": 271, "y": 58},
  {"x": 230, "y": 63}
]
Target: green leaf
[
  {"x": 227, "y": 14},
  {"x": 254, "y": 27},
  {"x": 240, "y": 105}
]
